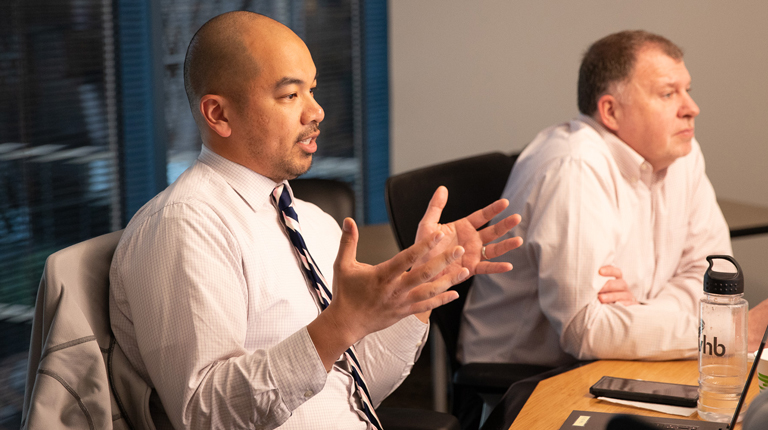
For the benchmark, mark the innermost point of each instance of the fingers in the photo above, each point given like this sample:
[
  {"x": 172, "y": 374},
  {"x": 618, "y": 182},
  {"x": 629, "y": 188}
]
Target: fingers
[
  {"x": 615, "y": 295},
  {"x": 404, "y": 259},
  {"x": 494, "y": 250},
  {"x": 610, "y": 271},
  {"x": 489, "y": 267},
  {"x": 347, "y": 245},
  {"x": 427, "y": 271},
  {"x": 615, "y": 290},
  {"x": 428, "y": 296},
  {"x": 482, "y": 216},
  {"x": 499, "y": 229},
  {"x": 614, "y": 285},
  {"x": 438, "y": 286},
  {"x": 436, "y": 206},
  {"x": 624, "y": 298},
  {"x": 437, "y": 301}
]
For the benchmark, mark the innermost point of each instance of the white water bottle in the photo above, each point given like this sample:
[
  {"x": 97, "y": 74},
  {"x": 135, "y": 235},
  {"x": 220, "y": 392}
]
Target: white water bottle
[{"x": 722, "y": 342}]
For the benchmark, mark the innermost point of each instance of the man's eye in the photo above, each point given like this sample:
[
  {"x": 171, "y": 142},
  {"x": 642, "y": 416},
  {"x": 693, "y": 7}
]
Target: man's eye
[{"x": 291, "y": 96}]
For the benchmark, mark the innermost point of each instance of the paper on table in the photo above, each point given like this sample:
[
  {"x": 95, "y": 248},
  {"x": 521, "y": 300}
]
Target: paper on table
[{"x": 667, "y": 409}]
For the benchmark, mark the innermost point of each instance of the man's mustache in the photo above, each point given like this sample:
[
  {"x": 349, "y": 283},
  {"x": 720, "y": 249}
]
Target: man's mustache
[{"x": 313, "y": 128}]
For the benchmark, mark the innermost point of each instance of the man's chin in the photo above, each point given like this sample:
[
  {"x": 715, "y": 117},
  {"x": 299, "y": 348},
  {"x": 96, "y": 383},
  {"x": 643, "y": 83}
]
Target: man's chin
[
  {"x": 681, "y": 150},
  {"x": 686, "y": 147},
  {"x": 301, "y": 168}
]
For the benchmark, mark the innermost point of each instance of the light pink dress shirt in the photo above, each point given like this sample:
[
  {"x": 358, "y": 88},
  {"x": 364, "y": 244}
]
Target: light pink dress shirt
[
  {"x": 588, "y": 200},
  {"x": 210, "y": 306}
]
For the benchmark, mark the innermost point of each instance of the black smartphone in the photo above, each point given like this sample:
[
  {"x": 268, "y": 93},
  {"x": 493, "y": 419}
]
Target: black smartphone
[{"x": 646, "y": 391}]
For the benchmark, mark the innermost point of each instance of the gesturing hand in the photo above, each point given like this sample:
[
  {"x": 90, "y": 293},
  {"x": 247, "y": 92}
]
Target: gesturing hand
[
  {"x": 465, "y": 233},
  {"x": 615, "y": 290},
  {"x": 368, "y": 298}
]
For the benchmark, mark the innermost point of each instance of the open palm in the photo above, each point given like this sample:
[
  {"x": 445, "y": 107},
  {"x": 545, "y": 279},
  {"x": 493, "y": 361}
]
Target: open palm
[{"x": 464, "y": 232}]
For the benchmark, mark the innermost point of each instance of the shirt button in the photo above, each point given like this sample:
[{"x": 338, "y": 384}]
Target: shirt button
[
  {"x": 418, "y": 344},
  {"x": 308, "y": 394}
]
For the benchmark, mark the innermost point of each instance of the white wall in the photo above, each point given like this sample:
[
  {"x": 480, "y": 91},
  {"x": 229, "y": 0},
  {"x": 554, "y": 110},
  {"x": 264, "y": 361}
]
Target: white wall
[{"x": 469, "y": 77}]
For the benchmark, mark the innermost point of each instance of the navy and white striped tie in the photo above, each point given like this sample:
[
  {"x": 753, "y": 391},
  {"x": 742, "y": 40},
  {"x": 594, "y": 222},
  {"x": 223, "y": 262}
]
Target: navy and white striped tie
[{"x": 282, "y": 199}]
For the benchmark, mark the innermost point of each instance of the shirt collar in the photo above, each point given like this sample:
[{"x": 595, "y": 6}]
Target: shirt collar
[
  {"x": 252, "y": 187},
  {"x": 631, "y": 164}
]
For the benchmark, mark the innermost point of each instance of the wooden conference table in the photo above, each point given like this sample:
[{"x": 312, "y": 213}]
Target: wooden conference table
[{"x": 555, "y": 398}]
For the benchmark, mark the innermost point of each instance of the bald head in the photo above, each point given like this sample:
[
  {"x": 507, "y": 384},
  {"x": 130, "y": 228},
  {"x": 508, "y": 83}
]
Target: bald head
[
  {"x": 221, "y": 60},
  {"x": 251, "y": 85}
]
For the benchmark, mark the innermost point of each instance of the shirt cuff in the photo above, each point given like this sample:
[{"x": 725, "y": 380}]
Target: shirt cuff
[
  {"x": 297, "y": 369},
  {"x": 406, "y": 336}
]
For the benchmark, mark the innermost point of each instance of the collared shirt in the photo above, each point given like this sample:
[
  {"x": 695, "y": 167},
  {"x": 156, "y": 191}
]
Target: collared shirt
[
  {"x": 210, "y": 306},
  {"x": 588, "y": 200}
]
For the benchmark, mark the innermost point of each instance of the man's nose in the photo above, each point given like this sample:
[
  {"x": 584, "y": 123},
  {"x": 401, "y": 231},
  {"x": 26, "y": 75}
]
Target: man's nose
[
  {"x": 689, "y": 107},
  {"x": 312, "y": 112}
]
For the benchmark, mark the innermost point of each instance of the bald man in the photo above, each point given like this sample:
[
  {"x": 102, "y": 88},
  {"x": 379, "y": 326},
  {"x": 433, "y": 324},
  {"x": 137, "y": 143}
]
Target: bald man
[{"x": 212, "y": 302}]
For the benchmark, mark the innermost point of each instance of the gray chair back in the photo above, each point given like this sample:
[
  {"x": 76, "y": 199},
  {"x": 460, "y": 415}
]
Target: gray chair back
[{"x": 78, "y": 377}]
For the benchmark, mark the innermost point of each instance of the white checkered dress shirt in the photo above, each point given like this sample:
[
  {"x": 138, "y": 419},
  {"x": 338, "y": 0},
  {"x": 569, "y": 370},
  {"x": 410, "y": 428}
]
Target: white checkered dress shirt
[
  {"x": 210, "y": 306},
  {"x": 588, "y": 200}
]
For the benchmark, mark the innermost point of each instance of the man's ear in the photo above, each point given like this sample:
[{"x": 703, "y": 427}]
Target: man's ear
[
  {"x": 215, "y": 111},
  {"x": 608, "y": 112}
]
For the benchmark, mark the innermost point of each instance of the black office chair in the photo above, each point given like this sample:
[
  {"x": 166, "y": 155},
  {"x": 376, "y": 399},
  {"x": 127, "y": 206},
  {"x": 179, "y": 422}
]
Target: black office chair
[
  {"x": 338, "y": 199},
  {"x": 334, "y": 197},
  {"x": 472, "y": 183}
]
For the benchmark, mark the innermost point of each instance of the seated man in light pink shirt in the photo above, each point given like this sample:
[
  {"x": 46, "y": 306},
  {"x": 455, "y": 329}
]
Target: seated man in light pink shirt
[{"x": 618, "y": 217}]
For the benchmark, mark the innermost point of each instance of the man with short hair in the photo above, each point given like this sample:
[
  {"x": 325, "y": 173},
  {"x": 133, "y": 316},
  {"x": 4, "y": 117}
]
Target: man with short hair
[
  {"x": 218, "y": 283},
  {"x": 618, "y": 217}
]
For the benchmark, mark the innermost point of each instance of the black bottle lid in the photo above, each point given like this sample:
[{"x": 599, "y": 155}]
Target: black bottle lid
[{"x": 724, "y": 283}]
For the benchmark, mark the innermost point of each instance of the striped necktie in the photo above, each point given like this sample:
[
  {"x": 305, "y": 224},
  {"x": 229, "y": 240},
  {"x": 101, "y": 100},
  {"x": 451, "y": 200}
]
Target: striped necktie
[{"x": 283, "y": 200}]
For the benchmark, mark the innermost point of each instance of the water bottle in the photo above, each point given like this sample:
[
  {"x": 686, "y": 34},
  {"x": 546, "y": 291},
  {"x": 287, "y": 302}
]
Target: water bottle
[{"x": 722, "y": 342}]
